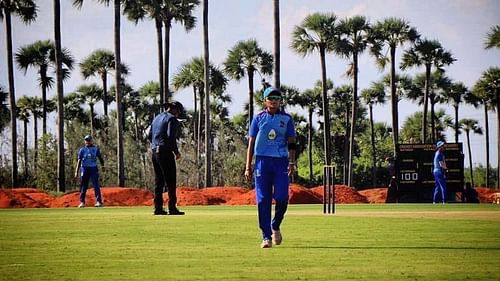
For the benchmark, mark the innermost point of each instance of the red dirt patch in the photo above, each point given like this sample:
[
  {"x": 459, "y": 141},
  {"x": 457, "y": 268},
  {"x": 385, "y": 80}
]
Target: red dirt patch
[
  {"x": 343, "y": 194},
  {"x": 375, "y": 195}
]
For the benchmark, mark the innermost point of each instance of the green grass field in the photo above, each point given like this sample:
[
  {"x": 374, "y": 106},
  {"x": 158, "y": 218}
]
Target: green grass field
[{"x": 359, "y": 242}]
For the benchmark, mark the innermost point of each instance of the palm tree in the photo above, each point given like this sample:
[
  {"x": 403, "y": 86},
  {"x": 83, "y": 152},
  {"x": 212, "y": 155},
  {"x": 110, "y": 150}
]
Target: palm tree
[
  {"x": 341, "y": 104},
  {"x": 470, "y": 125},
  {"x": 318, "y": 32},
  {"x": 100, "y": 63},
  {"x": 455, "y": 95},
  {"x": 118, "y": 85},
  {"x": 206, "y": 68},
  {"x": 392, "y": 32},
  {"x": 90, "y": 94},
  {"x": 41, "y": 55},
  {"x": 493, "y": 38},
  {"x": 27, "y": 12},
  {"x": 246, "y": 58},
  {"x": 277, "y": 53},
  {"x": 427, "y": 53},
  {"x": 4, "y": 109},
  {"x": 34, "y": 105},
  {"x": 487, "y": 89},
  {"x": 372, "y": 96},
  {"x": 23, "y": 113},
  {"x": 354, "y": 36}
]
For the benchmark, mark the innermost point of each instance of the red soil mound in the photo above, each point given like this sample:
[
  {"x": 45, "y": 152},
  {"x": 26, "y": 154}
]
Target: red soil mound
[
  {"x": 343, "y": 194},
  {"x": 375, "y": 195},
  {"x": 112, "y": 196},
  {"x": 24, "y": 198}
]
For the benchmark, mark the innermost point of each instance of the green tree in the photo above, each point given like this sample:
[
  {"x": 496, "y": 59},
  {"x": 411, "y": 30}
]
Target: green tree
[
  {"x": 318, "y": 32},
  {"x": 41, "y": 55},
  {"x": 26, "y": 10},
  {"x": 493, "y": 38},
  {"x": 90, "y": 94},
  {"x": 392, "y": 32},
  {"x": 426, "y": 53},
  {"x": 4, "y": 109},
  {"x": 244, "y": 59},
  {"x": 413, "y": 125},
  {"x": 468, "y": 126},
  {"x": 372, "y": 96},
  {"x": 455, "y": 95}
]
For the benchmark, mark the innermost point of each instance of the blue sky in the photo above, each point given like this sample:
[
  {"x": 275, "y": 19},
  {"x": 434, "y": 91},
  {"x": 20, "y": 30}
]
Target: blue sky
[{"x": 459, "y": 25}]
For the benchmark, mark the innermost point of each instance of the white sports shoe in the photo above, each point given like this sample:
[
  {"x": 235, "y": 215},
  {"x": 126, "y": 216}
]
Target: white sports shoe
[
  {"x": 266, "y": 243},
  {"x": 99, "y": 204},
  {"x": 277, "y": 238},
  {"x": 82, "y": 205}
]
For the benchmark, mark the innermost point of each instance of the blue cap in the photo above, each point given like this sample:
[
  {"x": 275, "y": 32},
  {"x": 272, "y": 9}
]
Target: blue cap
[
  {"x": 439, "y": 144},
  {"x": 88, "y": 138},
  {"x": 271, "y": 91}
]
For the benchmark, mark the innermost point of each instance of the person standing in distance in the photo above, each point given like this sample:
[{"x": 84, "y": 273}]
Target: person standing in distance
[
  {"x": 272, "y": 141},
  {"x": 164, "y": 130},
  {"x": 439, "y": 173},
  {"x": 87, "y": 166}
]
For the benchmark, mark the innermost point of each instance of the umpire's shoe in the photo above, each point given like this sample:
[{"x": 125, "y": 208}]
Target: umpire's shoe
[
  {"x": 160, "y": 213},
  {"x": 175, "y": 212}
]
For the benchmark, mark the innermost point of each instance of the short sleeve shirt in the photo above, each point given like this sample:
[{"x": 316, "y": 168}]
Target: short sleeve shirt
[
  {"x": 89, "y": 155},
  {"x": 271, "y": 133}
]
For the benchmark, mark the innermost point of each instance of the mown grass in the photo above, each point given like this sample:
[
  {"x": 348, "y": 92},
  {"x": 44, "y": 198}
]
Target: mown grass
[{"x": 359, "y": 242}]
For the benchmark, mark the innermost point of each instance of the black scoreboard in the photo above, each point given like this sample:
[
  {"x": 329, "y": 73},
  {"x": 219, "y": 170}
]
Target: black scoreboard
[{"x": 414, "y": 167}]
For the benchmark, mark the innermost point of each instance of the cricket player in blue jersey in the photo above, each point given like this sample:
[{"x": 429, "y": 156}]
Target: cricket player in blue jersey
[
  {"x": 272, "y": 141},
  {"x": 87, "y": 166},
  {"x": 439, "y": 172}
]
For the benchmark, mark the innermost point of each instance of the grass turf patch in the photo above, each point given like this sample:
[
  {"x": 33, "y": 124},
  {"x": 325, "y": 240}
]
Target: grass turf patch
[{"x": 359, "y": 242}]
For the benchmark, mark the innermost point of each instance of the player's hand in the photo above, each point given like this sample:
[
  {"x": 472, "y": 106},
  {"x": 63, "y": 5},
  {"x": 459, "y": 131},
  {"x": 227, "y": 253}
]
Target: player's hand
[{"x": 248, "y": 174}]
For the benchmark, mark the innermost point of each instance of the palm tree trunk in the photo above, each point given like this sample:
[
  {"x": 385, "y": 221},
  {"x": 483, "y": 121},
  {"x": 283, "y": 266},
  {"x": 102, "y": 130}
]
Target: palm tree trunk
[
  {"x": 199, "y": 140},
  {"x": 12, "y": 99},
  {"x": 25, "y": 149},
  {"x": 374, "y": 153},
  {"x": 470, "y": 158},
  {"x": 61, "y": 178},
  {"x": 433, "y": 118},
  {"x": 91, "y": 119},
  {"x": 43, "y": 74},
  {"x": 166, "y": 63},
  {"x": 208, "y": 139},
  {"x": 276, "y": 4},
  {"x": 309, "y": 146},
  {"x": 196, "y": 125},
  {"x": 326, "y": 109},
  {"x": 250, "y": 96},
  {"x": 346, "y": 146},
  {"x": 456, "y": 123},
  {"x": 159, "y": 43},
  {"x": 497, "y": 94},
  {"x": 105, "y": 93},
  {"x": 426, "y": 102},
  {"x": 394, "y": 102},
  {"x": 353, "y": 114},
  {"x": 35, "y": 144},
  {"x": 487, "y": 133},
  {"x": 120, "y": 151}
]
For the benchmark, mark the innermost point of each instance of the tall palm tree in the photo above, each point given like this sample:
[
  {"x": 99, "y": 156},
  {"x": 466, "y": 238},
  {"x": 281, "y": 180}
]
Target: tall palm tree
[
  {"x": 41, "y": 55},
  {"x": 118, "y": 85},
  {"x": 318, "y": 32},
  {"x": 34, "y": 105},
  {"x": 100, "y": 63},
  {"x": 470, "y": 125},
  {"x": 341, "y": 105},
  {"x": 354, "y": 36},
  {"x": 487, "y": 88},
  {"x": 427, "y": 53},
  {"x": 455, "y": 95},
  {"x": 392, "y": 32},
  {"x": 372, "y": 96},
  {"x": 493, "y": 38},
  {"x": 244, "y": 59},
  {"x": 23, "y": 113},
  {"x": 26, "y": 10},
  {"x": 206, "y": 68},
  {"x": 4, "y": 109},
  {"x": 277, "y": 53},
  {"x": 90, "y": 94}
]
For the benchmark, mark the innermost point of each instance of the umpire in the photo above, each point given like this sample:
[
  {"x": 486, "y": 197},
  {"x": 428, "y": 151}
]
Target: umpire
[{"x": 164, "y": 130}]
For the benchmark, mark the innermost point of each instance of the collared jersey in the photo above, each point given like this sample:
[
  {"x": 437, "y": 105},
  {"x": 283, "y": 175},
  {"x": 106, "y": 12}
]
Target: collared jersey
[
  {"x": 438, "y": 156},
  {"x": 164, "y": 131},
  {"x": 271, "y": 133},
  {"x": 89, "y": 155}
]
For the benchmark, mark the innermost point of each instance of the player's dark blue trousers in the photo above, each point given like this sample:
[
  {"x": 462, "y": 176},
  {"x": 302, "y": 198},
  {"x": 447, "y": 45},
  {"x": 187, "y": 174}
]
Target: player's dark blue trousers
[
  {"x": 440, "y": 186},
  {"x": 88, "y": 173},
  {"x": 271, "y": 172}
]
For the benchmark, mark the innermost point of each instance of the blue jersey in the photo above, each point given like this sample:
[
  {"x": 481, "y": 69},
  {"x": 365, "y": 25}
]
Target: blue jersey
[
  {"x": 438, "y": 156},
  {"x": 271, "y": 133},
  {"x": 164, "y": 131},
  {"x": 89, "y": 155}
]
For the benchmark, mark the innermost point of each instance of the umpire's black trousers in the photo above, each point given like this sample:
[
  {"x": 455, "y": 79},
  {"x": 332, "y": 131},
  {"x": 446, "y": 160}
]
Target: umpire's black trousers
[{"x": 165, "y": 177}]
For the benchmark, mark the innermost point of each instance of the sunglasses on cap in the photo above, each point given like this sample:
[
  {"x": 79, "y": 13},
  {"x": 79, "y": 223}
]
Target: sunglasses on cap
[{"x": 273, "y": 98}]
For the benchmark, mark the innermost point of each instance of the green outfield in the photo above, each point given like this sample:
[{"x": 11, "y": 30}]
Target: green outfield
[{"x": 359, "y": 242}]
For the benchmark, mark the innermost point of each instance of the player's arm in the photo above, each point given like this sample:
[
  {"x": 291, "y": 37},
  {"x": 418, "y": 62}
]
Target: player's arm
[
  {"x": 292, "y": 147},
  {"x": 248, "y": 165},
  {"x": 77, "y": 167}
]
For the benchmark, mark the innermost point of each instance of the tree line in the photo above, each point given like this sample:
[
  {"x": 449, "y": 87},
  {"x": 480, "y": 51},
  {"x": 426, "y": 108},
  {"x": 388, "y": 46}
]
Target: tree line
[{"x": 346, "y": 137}]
